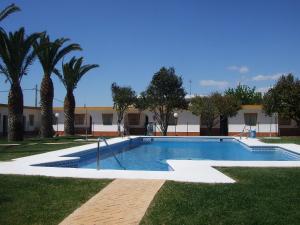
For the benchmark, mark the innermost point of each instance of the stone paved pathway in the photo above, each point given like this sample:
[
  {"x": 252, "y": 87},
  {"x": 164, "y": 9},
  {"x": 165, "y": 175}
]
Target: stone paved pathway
[{"x": 124, "y": 201}]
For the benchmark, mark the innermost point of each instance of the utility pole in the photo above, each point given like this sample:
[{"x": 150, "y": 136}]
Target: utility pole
[{"x": 36, "y": 92}]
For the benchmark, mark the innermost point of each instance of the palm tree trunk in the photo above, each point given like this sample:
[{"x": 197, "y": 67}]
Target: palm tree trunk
[
  {"x": 47, "y": 93},
  {"x": 69, "y": 109},
  {"x": 15, "y": 113}
]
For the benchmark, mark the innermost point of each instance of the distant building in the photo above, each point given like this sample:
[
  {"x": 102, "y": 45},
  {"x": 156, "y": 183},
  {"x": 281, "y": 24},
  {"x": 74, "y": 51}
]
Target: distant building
[{"x": 102, "y": 121}]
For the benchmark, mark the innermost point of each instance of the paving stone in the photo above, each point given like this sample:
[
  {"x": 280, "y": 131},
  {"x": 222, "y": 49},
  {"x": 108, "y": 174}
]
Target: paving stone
[{"x": 123, "y": 201}]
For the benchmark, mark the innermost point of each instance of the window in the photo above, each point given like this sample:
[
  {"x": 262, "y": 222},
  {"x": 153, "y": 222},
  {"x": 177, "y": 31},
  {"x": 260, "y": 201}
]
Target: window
[
  {"x": 133, "y": 119},
  {"x": 31, "y": 120},
  {"x": 79, "y": 119},
  {"x": 107, "y": 118},
  {"x": 284, "y": 121},
  {"x": 250, "y": 119}
]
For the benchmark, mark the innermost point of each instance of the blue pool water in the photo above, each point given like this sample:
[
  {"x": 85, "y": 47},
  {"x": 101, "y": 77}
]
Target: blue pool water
[{"x": 151, "y": 154}]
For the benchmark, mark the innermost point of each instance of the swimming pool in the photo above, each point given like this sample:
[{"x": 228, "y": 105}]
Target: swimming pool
[{"x": 150, "y": 154}]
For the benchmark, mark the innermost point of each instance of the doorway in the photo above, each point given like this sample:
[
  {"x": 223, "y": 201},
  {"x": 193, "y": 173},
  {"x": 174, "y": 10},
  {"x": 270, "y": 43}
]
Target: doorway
[{"x": 4, "y": 126}]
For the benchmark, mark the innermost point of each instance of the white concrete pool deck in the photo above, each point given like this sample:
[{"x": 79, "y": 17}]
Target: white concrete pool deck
[{"x": 184, "y": 170}]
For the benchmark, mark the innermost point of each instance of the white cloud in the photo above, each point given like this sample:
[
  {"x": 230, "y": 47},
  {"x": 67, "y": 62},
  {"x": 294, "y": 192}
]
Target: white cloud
[
  {"x": 263, "y": 89},
  {"x": 267, "y": 77},
  {"x": 213, "y": 83},
  {"x": 240, "y": 69}
]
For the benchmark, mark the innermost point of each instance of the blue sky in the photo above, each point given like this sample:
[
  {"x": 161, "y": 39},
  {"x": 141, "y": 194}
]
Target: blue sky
[{"x": 215, "y": 44}]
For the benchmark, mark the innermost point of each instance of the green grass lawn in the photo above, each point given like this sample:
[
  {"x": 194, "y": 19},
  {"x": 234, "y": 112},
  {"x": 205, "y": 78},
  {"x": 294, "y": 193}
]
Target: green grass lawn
[
  {"x": 43, "y": 200},
  {"x": 33, "y": 146},
  {"x": 261, "y": 196},
  {"x": 295, "y": 140}
]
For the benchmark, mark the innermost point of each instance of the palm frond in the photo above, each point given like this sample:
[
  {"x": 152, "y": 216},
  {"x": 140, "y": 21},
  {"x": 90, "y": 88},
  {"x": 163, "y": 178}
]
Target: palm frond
[
  {"x": 73, "y": 71},
  {"x": 60, "y": 76},
  {"x": 86, "y": 68},
  {"x": 16, "y": 53},
  {"x": 8, "y": 10},
  {"x": 51, "y": 52},
  {"x": 4, "y": 71},
  {"x": 28, "y": 62},
  {"x": 66, "y": 50}
]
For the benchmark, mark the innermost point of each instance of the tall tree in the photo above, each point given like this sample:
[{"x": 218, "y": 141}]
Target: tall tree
[
  {"x": 49, "y": 54},
  {"x": 206, "y": 109},
  {"x": 284, "y": 98},
  {"x": 164, "y": 95},
  {"x": 228, "y": 106},
  {"x": 123, "y": 98},
  {"x": 16, "y": 55},
  {"x": 8, "y": 10},
  {"x": 73, "y": 71},
  {"x": 213, "y": 107},
  {"x": 245, "y": 94}
]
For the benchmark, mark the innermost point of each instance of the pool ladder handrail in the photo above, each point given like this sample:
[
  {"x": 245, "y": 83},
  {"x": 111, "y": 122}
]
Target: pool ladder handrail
[
  {"x": 107, "y": 145},
  {"x": 243, "y": 131}
]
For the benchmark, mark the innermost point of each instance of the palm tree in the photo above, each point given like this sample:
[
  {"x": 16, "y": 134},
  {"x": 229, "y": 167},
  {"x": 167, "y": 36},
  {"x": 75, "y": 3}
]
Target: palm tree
[
  {"x": 8, "y": 10},
  {"x": 73, "y": 71},
  {"x": 49, "y": 53},
  {"x": 16, "y": 55}
]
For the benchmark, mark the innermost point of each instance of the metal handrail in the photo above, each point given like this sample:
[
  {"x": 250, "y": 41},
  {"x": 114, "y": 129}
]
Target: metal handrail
[
  {"x": 98, "y": 153},
  {"x": 243, "y": 131}
]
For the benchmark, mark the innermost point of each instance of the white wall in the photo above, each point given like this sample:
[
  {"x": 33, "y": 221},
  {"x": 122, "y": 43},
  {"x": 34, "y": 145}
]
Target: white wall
[
  {"x": 37, "y": 119},
  {"x": 264, "y": 123},
  {"x": 186, "y": 121},
  {"x": 236, "y": 124},
  {"x": 97, "y": 123},
  {"x": 26, "y": 112}
]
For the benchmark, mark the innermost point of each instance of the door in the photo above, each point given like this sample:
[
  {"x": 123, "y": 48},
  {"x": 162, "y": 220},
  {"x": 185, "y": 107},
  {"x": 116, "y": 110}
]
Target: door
[
  {"x": 91, "y": 126},
  {"x": 4, "y": 128}
]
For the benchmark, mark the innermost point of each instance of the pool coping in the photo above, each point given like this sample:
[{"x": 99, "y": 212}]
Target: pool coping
[{"x": 184, "y": 170}]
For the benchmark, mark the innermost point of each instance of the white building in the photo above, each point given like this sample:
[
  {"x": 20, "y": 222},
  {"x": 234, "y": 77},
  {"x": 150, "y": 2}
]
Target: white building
[
  {"x": 252, "y": 117},
  {"x": 102, "y": 121},
  {"x": 31, "y": 119}
]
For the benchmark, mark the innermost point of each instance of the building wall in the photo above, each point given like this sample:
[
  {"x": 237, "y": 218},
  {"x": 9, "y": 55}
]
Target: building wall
[
  {"x": 36, "y": 118},
  {"x": 187, "y": 124},
  {"x": 95, "y": 127},
  {"x": 27, "y": 111},
  {"x": 265, "y": 125}
]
